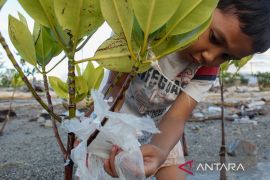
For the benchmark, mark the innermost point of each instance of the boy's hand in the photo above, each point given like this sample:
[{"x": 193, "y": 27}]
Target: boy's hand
[
  {"x": 109, "y": 163},
  {"x": 152, "y": 157}
]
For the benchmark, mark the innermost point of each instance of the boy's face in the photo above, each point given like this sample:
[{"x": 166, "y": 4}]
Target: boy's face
[{"x": 222, "y": 41}]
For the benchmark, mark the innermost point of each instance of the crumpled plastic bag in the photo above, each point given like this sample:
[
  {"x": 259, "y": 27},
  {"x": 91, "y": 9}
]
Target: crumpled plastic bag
[{"x": 121, "y": 129}]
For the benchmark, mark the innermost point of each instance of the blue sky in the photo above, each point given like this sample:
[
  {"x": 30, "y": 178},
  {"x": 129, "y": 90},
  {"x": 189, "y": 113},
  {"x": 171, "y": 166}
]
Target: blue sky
[{"x": 260, "y": 63}]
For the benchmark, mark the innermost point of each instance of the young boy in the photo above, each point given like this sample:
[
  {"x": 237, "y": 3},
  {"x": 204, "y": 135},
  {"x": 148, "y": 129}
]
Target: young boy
[{"x": 239, "y": 28}]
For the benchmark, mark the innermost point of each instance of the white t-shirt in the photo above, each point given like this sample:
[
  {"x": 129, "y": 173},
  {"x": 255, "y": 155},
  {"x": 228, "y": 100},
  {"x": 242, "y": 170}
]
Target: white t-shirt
[{"x": 152, "y": 92}]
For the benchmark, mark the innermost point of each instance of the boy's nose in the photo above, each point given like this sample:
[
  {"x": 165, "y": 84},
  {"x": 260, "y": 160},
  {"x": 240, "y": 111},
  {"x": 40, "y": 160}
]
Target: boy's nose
[{"x": 211, "y": 54}]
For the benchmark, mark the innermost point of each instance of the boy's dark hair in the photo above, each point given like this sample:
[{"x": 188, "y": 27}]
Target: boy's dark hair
[{"x": 254, "y": 15}]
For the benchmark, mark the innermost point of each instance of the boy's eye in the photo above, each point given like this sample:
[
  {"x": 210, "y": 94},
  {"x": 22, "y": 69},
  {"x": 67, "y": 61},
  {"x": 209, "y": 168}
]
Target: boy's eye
[
  {"x": 212, "y": 37},
  {"x": 228, "y": 57}
]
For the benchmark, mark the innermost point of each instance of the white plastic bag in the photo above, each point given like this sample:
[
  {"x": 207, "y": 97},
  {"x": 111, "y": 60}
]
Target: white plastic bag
[{"x": 121, "y": 129}]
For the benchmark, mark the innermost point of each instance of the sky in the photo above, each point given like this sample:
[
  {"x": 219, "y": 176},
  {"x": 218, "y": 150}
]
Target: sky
[
  {"x": 259, "y": 63},
  {"x": 12, "y": 7}
]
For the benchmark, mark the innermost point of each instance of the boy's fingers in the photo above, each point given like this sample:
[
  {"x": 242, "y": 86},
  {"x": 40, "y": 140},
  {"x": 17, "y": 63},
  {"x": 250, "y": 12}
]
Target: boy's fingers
[
  {"x": 111, "y": 159},
  {"x": 76, "y": 143},
  {"x": 107, "y": 167},
  {"x": 149, "y": 169}
]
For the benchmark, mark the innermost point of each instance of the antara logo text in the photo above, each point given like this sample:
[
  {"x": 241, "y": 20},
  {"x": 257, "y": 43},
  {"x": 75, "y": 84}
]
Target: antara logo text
[{"x": 211, "y": 167}]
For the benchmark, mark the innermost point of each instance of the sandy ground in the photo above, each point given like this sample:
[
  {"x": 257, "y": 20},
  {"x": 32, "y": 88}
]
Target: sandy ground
[{"x": 29, "y": 151}]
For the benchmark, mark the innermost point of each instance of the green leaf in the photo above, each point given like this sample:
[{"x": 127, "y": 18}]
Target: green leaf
[
  {"x": 93, "y": 76},
  {"x": 137, "y": 33},
  {"x": 242, "y": 62},
  {"x": 89, "y": 74},
  {"x": 78, "y": 17},
  {"x": 225, "y": 66},
  {"x": 119, "y": 58},
  {"x": 99, "y": 74},
  {"x": 179, "y": 42},
  {"x": 59, "y": 87},
  {"x": 78, "y": 70},
  {"x": 81, "y": 88},
  {"x": 189, "y": 15},
  {"x": 16, "y": 80},
  {"x": 22, "y": 19},
  {"x": 41, "y": 11},
  {"x": 46, "y": 47},
  {"x": 119, "y": 15},
  {"x": 153, "y": 14},
  {"x": 114, "y": 55},
  {"x": 81, "y": 85},
  {"x": 2, "y": 3},
  {"x": 22, "y": 40},
  {"x": 36, "y": 31}
]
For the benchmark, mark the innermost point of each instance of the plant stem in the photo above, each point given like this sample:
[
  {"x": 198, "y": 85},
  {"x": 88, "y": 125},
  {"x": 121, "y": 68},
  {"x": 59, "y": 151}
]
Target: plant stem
[
  {"x": 55, "y": 129},
  {"x": 72, "y": 110},
  {"x": 222, "y": 152},
  {"x": 8, "y": 114},
  {"x": 24, "y": 78}
]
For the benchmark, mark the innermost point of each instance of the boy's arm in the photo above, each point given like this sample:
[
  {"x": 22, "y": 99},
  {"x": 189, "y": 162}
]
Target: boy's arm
[{"x": 173, "y": 122}]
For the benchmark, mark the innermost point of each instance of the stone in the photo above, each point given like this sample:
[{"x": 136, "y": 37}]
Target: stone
[
  {"x": 198, "y": 115},
  {"x": 4, "y": 112},
  {"x": 241, "y": 148},
  {"x": 245, "y": 120},
  {"x": 48, "y": 124},
  {"x": 45, "y": 116},
  {"x": 33, "y": 119},
  {"x": 41, "y": 120},
  {"x": 256, "y": 104},
  {"x": 214, "y": 109},
  {"x": 195, "y": 128},
  {"x": 244, "y": 152}
]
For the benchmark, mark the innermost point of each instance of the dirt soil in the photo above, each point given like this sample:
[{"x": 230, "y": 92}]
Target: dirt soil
[{"x": 29, "y": 150}]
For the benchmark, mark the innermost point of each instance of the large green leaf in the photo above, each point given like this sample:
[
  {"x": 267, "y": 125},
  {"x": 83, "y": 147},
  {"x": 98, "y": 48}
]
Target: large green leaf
[
  {"x": 189, "y": 15},
  {"x": 119, "y": 15},
  {"x": 113, "y": 54},
  {"x": 41, "y": 11},
  {"x": 46, "y": 46},
  {"x": 137, "y": 33},
  {"x": 78, "y": 17},
  {"x": 153, "y": 14},
  {"x": 93, "y": 76},
  {"x": 179, "y": 42},
  {"x": 59, "y": 87},
  {"x": 2, "y": 3},
  {"x": 22, "y": 40},
  {"x": 119, "y": 58}
]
